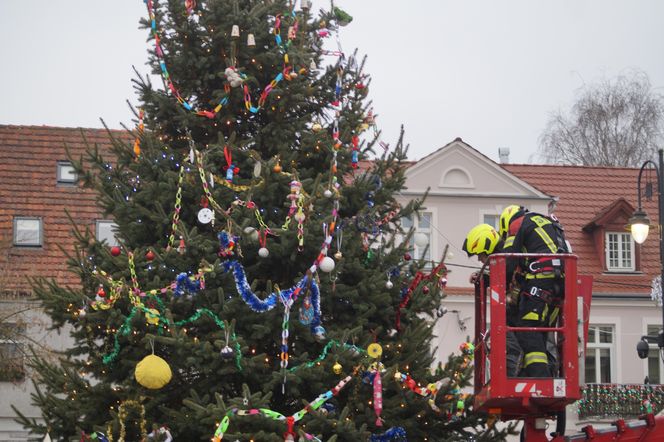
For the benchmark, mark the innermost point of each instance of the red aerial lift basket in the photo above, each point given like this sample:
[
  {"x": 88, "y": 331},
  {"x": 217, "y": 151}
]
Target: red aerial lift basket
[{"x": 517, "y": 397}]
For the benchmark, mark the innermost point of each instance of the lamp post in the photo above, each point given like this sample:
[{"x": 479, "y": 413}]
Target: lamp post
[{"x": 640, "y": 225}]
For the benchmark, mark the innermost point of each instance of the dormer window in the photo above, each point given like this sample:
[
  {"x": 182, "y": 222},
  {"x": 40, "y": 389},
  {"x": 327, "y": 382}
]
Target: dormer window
[{"x": 619, "y": 252}]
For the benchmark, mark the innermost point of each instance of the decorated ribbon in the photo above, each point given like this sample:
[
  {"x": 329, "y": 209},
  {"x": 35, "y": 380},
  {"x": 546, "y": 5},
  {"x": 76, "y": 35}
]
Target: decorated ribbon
[
  {"x": 290, "y": 420},
  {"x": 326, "y": 349}
]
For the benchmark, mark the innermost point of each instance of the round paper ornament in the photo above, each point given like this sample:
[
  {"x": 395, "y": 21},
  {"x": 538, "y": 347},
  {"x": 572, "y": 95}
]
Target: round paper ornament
[
  {"x": 327, "y": 193},
  {"x": 153, "y": 372},
  {"x": 263, "y": 252},
  {"x": 205, "y": 215},
  {"x": 374, "y": 350},
  {"x": 389, "y": 284},
  {"x": 327, "y": 264}
]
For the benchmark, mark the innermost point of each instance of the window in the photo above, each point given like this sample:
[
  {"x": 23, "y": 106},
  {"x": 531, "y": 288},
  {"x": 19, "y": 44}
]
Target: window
[
  {"x": 66, "y": 173},
  {"x": 619, "y": 252},
  {"x": 27, "y": 231},
  {"x": 11, "y": 352},
  {"x": 599, "y": 354},
  {"x": 654, "y": 363},
  {"x": 420, "y": 242},
  {"x": 492, "y": 220},
  {"x": 106, "y": 232}
]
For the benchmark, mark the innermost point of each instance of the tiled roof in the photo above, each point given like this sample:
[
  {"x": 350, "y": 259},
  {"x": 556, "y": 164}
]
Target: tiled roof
[
  {"x": 28, "y": 188},
  {"x": 585, "y": 193}
]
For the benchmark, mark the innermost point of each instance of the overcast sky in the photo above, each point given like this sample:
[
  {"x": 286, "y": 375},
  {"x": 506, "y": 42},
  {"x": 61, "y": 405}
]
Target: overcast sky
[{"x": 489, "y": 72}]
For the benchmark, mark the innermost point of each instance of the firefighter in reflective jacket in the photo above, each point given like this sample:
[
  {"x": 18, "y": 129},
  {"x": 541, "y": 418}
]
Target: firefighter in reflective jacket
[
  {"x": 529, "y": 232},
  {"x": 481, "y": 241}
]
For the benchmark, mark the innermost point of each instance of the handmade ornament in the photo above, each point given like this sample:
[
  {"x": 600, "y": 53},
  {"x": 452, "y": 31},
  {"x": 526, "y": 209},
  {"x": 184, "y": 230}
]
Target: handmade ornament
[
  {"x": 227, "y": 244},
  {"x": 374, "y": 350},
  {"x": 153, "y": 372},
  {"x": 205, "y": 215},
  {"x": 263, "y": 252},
  {"x": 425, "y": 290},
  {"x": 152, "y": 316},
  {"x": 337, "y": 368},
  {"x": 407, "y": 257},
  {"x": 150, "y": 255},
  {"x": 233, "y": 76},
  {"x": 338, "y": 255},
  {"x": 101, "y": 293},
  {"x": 468, "y": 349},
  {"x": 440, "y": 312},
  {"x": 140, "y": 128},
  {"x": 251, "y": 40},
  {"x": 116, "y": 250},
  {"x": 82, "y": 312},
  {"x": 182, "y": 248},
  {"x": 327, "y": 193},
  {"x": 307, "y": 312},
  {"x": 189, "y": 6},
  {"x": 160, "y": 434},
  {"x": 316, "y": 127},
  {"x": 235, "y": 31},
  {"x": 389, "y": 284},
  {"x": 251, "y": 233},
  {"x": 187, "y": 284},
  {"x": 437, "y": 272},
  {"x": 378, "y": 398}
]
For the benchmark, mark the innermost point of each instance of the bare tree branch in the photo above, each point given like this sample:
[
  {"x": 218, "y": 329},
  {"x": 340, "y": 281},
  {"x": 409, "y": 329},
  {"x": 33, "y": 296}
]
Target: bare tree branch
[{"x": 613, "y": 123}]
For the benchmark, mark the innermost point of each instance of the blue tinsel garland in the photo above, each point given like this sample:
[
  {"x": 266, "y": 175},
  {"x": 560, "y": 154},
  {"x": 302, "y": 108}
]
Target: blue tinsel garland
[
  {"x": 393, "y": 434},
  {"x": 263, "y": 305}
]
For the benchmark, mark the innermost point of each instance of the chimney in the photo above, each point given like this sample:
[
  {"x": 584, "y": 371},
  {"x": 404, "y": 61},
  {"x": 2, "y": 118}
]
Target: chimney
[{"x": 504, "y": 155}]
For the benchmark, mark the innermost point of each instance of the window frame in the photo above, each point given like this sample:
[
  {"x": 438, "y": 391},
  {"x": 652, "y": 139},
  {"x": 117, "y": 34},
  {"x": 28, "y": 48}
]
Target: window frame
[
  {"x": 20, "y": 373},
  {"x": 593, "y": 349},
  {"x": 415, "y": 219},
  {"x": 115, "y": 241},
  {"x": 620, "y": 251},
  {"x": 40, "y": 230},
  {"x": 60, "y": 179},
  {"x": 652, "y": 329}
]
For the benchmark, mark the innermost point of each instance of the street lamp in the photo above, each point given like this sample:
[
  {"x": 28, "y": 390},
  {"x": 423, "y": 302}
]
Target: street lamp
[{"x": 640, "y": 225}]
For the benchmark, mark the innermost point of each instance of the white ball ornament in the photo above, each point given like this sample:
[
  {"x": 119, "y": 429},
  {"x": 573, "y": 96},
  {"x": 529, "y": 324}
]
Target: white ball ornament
[
  {"x": 82, "y": 313},
  {"x": 421, "y": 240},
  {"x": 327, "y": 264},
  {"x": 327, "y": 193},
  {"x": 389, "y": 284},
  {"x": 263, "y": 252}
]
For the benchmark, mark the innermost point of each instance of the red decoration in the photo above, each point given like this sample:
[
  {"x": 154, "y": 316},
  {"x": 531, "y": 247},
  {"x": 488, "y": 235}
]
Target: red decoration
[
  {"x": 150, "y": 255},
  {"x": 425, "y": 289},
  {"x": 407, "y": 256},
  {"x": 101, "y": 292},
  {"x": 437, "y": 272},
  {"x": 116, "y": 250}
]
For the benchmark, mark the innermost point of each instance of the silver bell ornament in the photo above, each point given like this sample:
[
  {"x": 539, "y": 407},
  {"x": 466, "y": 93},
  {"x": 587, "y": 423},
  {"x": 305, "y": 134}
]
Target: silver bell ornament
[{"x": 226, "y": 353}]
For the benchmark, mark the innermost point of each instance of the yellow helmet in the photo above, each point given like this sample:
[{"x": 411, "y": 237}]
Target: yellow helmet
[
  {"x": 481, "y": 239},
  {"x": 506, "y": 217}
]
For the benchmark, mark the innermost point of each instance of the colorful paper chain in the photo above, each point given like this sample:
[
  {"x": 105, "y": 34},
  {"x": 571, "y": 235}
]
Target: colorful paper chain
[
  {"x": 224, "y": 100},
  {"x": 290, "y": 420}
]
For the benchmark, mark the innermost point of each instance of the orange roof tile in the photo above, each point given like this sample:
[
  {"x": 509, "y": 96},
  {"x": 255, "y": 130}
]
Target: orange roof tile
[
  {"x": 29, "y": 188},
  {"x": 585, "y": 194}
]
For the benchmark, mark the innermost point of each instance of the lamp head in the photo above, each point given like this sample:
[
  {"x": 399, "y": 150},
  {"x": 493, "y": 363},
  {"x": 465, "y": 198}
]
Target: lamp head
[
  {"x": 639, "y": 225},
  {"x": 642, "y": 349}
]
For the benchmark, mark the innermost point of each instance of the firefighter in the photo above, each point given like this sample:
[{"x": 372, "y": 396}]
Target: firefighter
[
  {"x": 481, "y": 241},
  {"x": 541, "y": 291}
]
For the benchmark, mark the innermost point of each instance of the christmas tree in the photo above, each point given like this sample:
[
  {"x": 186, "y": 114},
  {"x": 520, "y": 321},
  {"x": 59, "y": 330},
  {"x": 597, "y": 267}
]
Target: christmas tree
[{"x": 263, "y": 288}]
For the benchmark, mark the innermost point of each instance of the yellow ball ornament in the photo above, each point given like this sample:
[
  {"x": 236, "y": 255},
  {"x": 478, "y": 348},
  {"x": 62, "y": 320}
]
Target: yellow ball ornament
[
  {"x": 336, "y": 368},
  {"x": 153, "y": 372}
]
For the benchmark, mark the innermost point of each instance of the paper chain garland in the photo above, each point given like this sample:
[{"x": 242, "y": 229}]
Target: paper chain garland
[
  {"x": 285, "y": 73},
  {"x": 290, "y": 420}
]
